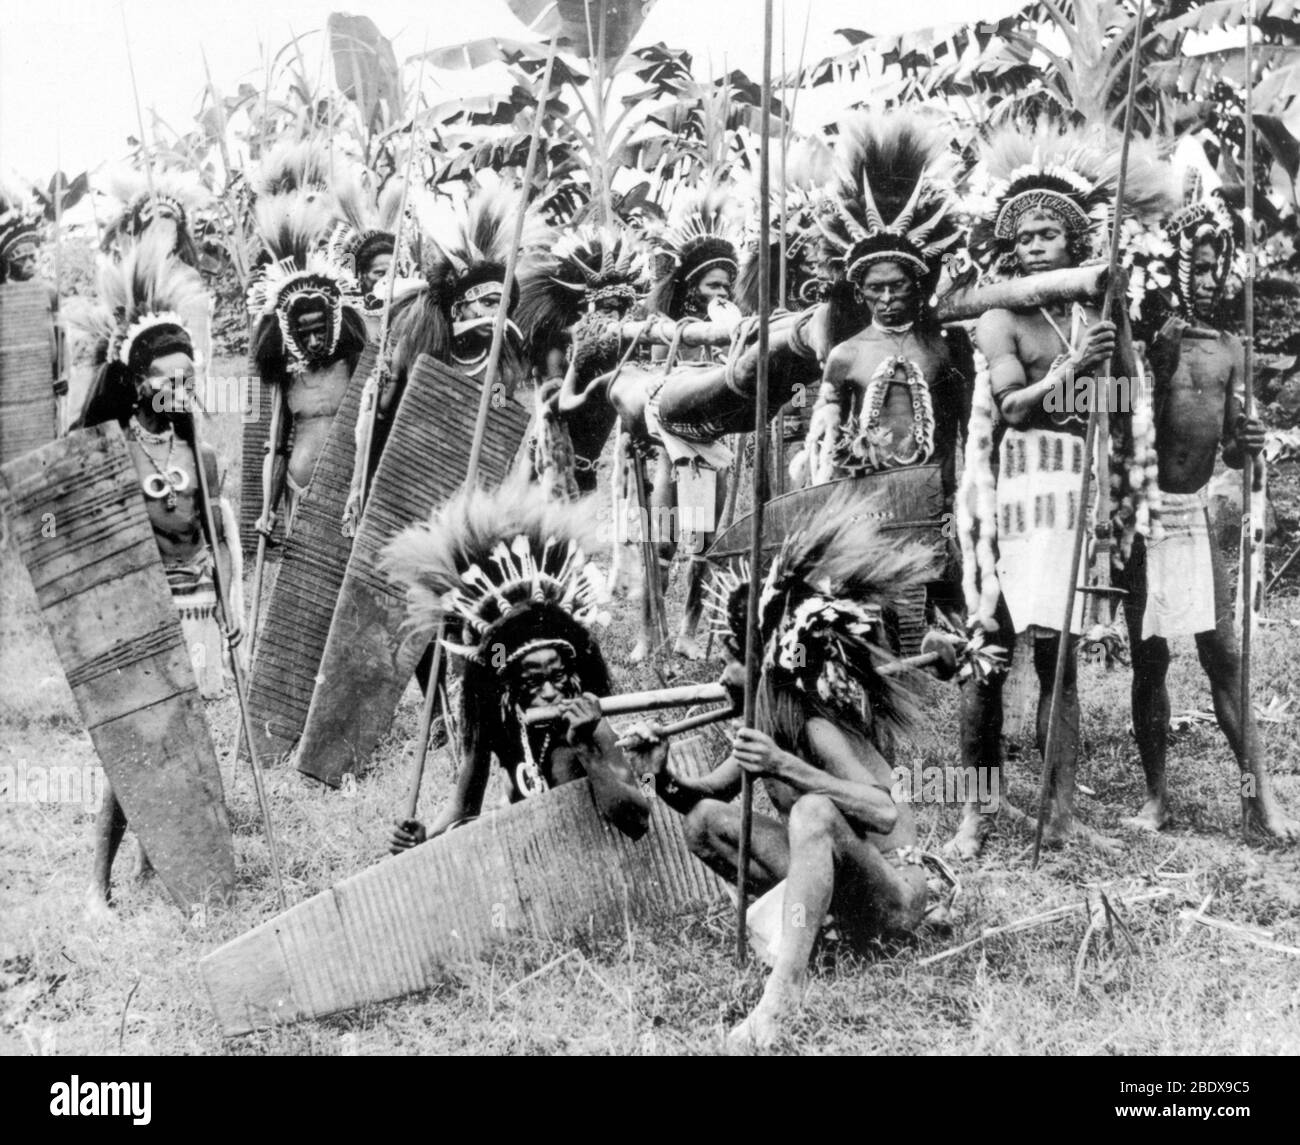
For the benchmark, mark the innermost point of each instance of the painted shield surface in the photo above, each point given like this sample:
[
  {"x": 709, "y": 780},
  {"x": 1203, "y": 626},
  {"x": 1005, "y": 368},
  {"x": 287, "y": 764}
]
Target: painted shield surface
[
  {"x": 28, "y": 415},
  {"x": 292, "y": 633},
  {"x": 908, "y": 502},
  {"x": 367, "y": 663},
  {"x": 79, "y": 521},
  {"x": 548, "y": 867}
]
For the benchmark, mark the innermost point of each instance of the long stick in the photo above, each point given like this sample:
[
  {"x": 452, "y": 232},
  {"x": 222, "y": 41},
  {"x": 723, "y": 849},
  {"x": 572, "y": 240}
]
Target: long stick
[
  {"x": 231, "y": 623},
  {"x": 236, "y": 246},
  {"x": 263, "y": 537},
  {"x": 1065, "y": 646},
  {"x": 369, "y": 412},
  {"x": 493, "y": 367},
  {"x": 651, "y": 701},
  {"x": 752, "y": 646},
  {"x": 480, "y": 425},
  {"x": 139, "y": 115},
  {"x": 1245, "y": 714}
]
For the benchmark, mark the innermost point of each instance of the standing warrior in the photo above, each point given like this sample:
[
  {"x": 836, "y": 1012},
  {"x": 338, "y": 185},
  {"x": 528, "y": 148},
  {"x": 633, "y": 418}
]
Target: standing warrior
[
  {"x": 308, "y": 338},
  {"x": 1176, "y": 583},
  {"x": 841, "y": 844},
  {"x": 1052, "y": 199},
  {"x": 507, "y": 568},
  {"x": 890, "y": 395},
  {"x": 145, "y": 361},
  {"x": 572, "y": 310},
  {"x": 20, "y": 241}
]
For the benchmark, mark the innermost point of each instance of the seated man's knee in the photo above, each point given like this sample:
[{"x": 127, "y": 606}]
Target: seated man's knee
[
  {"x": 701, "y": 826},
  {"x": 812, "y": 815}
]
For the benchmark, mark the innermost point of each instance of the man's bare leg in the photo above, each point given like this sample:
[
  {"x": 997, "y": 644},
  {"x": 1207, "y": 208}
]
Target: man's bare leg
[
  {"x": 110, "y": 826},
  {"x": 1259, "y": 810},
  {"x": 981, "y": 748},
  {"x": 1060, "y": 807},
  {"x": 1150, "y": 702},
  {"x": 688, "y": 643}
]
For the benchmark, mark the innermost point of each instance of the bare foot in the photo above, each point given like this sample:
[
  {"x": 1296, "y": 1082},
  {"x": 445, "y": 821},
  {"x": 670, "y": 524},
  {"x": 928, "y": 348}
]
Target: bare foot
[
  {"x": 1261, "y": 817},
  {"x": 688, "y": 647},
  {"x": 971, "y": 836},
  {"x": 764, "y": 1026},
  {"x": 1062, "y": 830},
  {"x": 1153, "y": 817},
  {"x": 95, "y": 908}
]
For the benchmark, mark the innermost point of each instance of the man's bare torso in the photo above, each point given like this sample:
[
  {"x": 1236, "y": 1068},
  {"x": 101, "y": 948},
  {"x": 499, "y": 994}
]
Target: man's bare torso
[{"x": 1191, "y": 410}]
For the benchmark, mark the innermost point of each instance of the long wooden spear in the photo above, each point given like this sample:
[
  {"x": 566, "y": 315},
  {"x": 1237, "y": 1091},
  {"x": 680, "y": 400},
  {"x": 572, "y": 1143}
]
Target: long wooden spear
[
  {"x": 139, "y": 115},
  {"x": 1248, "y": 467},
  {"x": 753, "y": 646},
  {"x": 490, "y": 375},
  {"x": 1100, "y": 395}
]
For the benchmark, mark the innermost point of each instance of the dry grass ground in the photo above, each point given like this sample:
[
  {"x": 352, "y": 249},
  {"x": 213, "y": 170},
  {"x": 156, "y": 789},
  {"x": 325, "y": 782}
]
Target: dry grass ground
[{"x": 131, "y": 985}]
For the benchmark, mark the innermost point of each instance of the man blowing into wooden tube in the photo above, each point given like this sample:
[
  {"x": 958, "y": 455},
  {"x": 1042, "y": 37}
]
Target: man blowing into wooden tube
[{"x": 507, "y": 569}]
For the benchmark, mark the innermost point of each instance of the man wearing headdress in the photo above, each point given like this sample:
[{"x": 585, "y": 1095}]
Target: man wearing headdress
[
  {"x": 508, "y": 569},
  {"x": 363, "y": 239},
  {"x": 1176, "y": 583},
  {"x": 308, "y": 338},
  {"x": 145, "y": 359},
  {"x": 891, "y": 396},
  {"x": 1052, "y": 195},
  {"x": 20, "y": 240},
  {"x": 840, "y": 845}
]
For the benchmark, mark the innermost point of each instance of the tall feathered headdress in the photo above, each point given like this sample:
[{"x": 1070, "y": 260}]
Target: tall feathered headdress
[
  {"x": 589, "y": 270},
  {"x": 1205, "y": 217},
  {"x": 892, "y": 197},
  {"x": 506, "y": 570},
  {"x": 365, "y": 224},
  {"x": 20, "y": 225},
  {"x": 137, "y": 317},
  {"x": 299, "y": 276},
  {"x": 1069, "y": 173},
  {"x": 167, "y": 199},
  {"x": 704, "y": 235},
  {"x": 301, "y": 167},
  {"x": 825, "y": 611},
  {"x": 464, "y": 245}
]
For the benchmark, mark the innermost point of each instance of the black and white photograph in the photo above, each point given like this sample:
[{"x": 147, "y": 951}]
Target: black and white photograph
[{"x": 656, "y": 528}]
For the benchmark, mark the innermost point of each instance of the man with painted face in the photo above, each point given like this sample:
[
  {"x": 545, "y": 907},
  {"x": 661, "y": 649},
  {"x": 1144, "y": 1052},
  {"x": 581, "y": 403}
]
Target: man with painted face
[
  {"x": 145, "y": 360},
  {"x": 1176, "y": 582},
  {"x": 524, "y": 600},
  {"x": 308, "y": 338}
]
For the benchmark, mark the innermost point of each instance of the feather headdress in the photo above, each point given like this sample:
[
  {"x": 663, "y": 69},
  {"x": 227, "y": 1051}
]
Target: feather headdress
[
  {"x": 166, "y": 199},
  {"x": 1204, "y": 218},
  {"x": 508, "y": 569},
  {"x": 1068, "y": 173},
  {"x": 588, "y": 269},
  {"x": 20, "y": 226},
  {"x": 464, "y": 245},
  {"x": 136, "y": 318},
  {"x": 299, "y": 277},
  {"x": 825, "y": 610},
  {"x": 301, "y": 167},
  {"x": 704, "y": 235},
  {"x": 365, "y": 224},
  {"x": 892, "y": 198}
]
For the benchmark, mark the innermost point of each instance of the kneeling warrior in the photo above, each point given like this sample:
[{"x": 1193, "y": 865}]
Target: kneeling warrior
[
  {"x": 841, "y": 844},
  {"x": 508, "y": 568},
  {"x": 144, "y": 355},
  {"x": 1176, "y": 582},
  {"x": 308, "y": 338}
]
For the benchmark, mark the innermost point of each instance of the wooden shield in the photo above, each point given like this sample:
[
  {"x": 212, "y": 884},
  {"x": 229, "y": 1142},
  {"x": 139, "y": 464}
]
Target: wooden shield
[
  {"x": 549, "y": 866},
  {"x": 28, "y": 415},
  {"x": 256, "y": 428},
  {"x": 367, "y": 663},
  {"x": 80, "y": 524},
  {"x": 908, "y": 502},
  {"x": 292, "y": 633}
]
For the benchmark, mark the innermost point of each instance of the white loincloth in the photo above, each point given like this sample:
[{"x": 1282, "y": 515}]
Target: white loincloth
[
  {"x": 195, "y": 598},
  {"x": 1039, "y": 475},
  {"x": 1180, "y": 573}
]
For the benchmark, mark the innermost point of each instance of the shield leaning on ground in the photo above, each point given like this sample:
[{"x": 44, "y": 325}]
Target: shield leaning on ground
[
  {"x": 367, "y": 663},
  {"x": 28, "y": 412},
  {"x": 292, "y": 632},
  {"x": 908, "y": 502},
  {"x": 79, "y": 521},
  {"x": 548, "y": 866}
]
